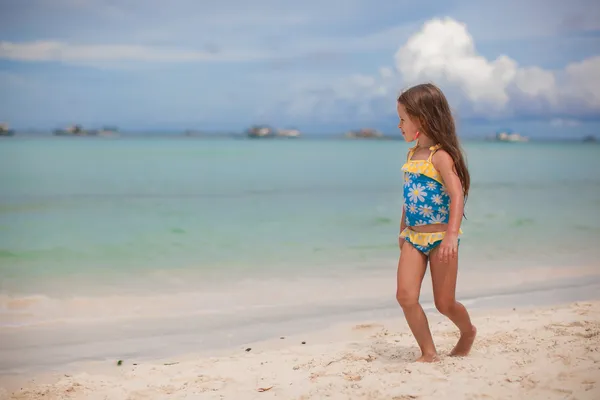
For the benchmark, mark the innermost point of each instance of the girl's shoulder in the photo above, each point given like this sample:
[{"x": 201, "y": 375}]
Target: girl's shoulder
[
  {"x": 441, "y": 153},
  {"x": 442, "y": 159}
]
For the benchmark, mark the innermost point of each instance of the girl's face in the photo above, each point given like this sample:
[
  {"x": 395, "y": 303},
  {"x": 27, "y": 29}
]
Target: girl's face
[{"x": 408, "y": 128}]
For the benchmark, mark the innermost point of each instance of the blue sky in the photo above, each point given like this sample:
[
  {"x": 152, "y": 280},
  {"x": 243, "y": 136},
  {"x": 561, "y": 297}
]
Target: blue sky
[{"x": 322, "y": 66}]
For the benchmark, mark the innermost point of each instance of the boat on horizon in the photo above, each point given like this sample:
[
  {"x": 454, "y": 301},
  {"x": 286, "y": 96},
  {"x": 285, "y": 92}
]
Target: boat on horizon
[
  {"x": 108, "y": 131},
  {"x": 5, "y": 130},
  {"x": 73, "y": 130},
  {"x": 509, "y": 136},
  {"x": 77, "y": 130},
  {"x": 364, "y": 133},
  {"x": 260, "y": 131},
  {"x": 290, "y": 133}
]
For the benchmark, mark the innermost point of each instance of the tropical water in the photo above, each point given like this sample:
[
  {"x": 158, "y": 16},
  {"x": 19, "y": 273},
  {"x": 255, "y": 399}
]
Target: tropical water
[{"x": 128, "y": 218}]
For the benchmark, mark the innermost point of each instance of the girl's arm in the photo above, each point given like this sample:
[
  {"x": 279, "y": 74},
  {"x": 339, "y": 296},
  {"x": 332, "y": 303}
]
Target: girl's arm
[
  {"x": 402, "y": 226},
  {"x": 403, "y": 220},
  {"x": 402, "y": 223},
  {"x": 443, "y": 162}
]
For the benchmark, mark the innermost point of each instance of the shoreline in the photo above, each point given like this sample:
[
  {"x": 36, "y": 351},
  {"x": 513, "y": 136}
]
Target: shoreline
[
  {"x": 526, "y": 351},
  {"x": 27, "y": 351},
  {"x": 366, "y": 289}
]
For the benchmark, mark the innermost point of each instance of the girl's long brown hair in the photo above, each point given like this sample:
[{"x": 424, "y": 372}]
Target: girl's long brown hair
[{"x": 427, "y": 104}]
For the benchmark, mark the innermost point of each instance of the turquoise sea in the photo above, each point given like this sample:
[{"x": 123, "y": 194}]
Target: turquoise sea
[{"x": 85, "y": 220}]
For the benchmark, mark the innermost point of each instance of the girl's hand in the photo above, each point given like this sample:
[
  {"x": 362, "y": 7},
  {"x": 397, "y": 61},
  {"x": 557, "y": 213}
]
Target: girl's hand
[{"x": 448, "y": 248}]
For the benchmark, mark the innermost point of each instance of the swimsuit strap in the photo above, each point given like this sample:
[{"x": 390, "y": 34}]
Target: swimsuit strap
[
  {"x": 433, "y": 149},
  {"x": 411, "y": 151}
]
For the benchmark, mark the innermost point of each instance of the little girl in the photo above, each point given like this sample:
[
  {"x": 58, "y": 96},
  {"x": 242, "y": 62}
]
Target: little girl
[{"x": 436, "y": 184}]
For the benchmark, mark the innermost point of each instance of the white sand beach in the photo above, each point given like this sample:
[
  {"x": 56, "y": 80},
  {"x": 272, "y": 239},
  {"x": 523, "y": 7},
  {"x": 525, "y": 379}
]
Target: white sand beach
[{"x": 529, "y": 353}]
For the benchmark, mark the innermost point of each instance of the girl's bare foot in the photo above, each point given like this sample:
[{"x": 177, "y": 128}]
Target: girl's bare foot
[
  {"x": 463, "y": 347},
  {"x": 428, "y": 358}
]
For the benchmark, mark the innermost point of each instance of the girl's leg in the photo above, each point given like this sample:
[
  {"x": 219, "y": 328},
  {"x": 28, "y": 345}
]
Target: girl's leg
[
  {"x": 443, "y": 276},
  {"x": 411, "y": 269}
]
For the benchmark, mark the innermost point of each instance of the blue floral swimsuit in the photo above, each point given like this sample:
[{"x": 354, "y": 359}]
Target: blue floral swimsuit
[{"x": 426, "y": 201}]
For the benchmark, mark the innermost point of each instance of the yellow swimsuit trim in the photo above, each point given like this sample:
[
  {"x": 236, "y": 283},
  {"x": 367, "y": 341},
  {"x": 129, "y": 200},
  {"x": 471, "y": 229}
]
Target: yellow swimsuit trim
[
  {"x": 423, "y": 167},
  {"x": 423, "y": 238}
]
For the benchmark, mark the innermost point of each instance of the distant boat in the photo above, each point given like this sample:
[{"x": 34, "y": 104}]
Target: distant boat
[
  {"x": 364, "y": 133},
  {"x": 73, "y": 130},
  {"x": 260, "y": 131},
  {"x": 291, "y": 133},
  {"x": 590, "y": 139},
  {"x": 509, "y": 136},
  {"x": 5, "y": 131},
  {"x": 77, "y": 130},
  {"x": 108, "y": 131}
]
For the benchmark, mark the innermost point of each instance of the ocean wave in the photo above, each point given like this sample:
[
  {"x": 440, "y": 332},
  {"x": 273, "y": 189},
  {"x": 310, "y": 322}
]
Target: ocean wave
[{"x": 37, "y": 310}]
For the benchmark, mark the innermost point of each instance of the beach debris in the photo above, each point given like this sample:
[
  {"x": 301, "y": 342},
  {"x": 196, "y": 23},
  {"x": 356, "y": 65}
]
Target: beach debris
[
  {"x": 265, "y": 389},
  {"x": 283, "y": 337},
  {"x": 171, "y": 363},
  {"x": 367, "y": 326},
  {"x": 120, "y": 362},
  {"x": 249, "y": 348},
  {"x": 303, "y": 342},
  {"x": 352, "y": 377},
  {"x": 72, "y": 387}
]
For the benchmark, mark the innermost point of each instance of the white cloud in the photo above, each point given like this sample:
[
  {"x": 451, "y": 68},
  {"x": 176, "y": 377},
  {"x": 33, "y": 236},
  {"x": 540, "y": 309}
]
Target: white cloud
[
  {"x": 582, "y": 83},
  {"x": 444, "y": 52},
  {"x": 65, "y": 52},
  {"x": 261, "y": 27},
  {"x": 238, "y": 46}
]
